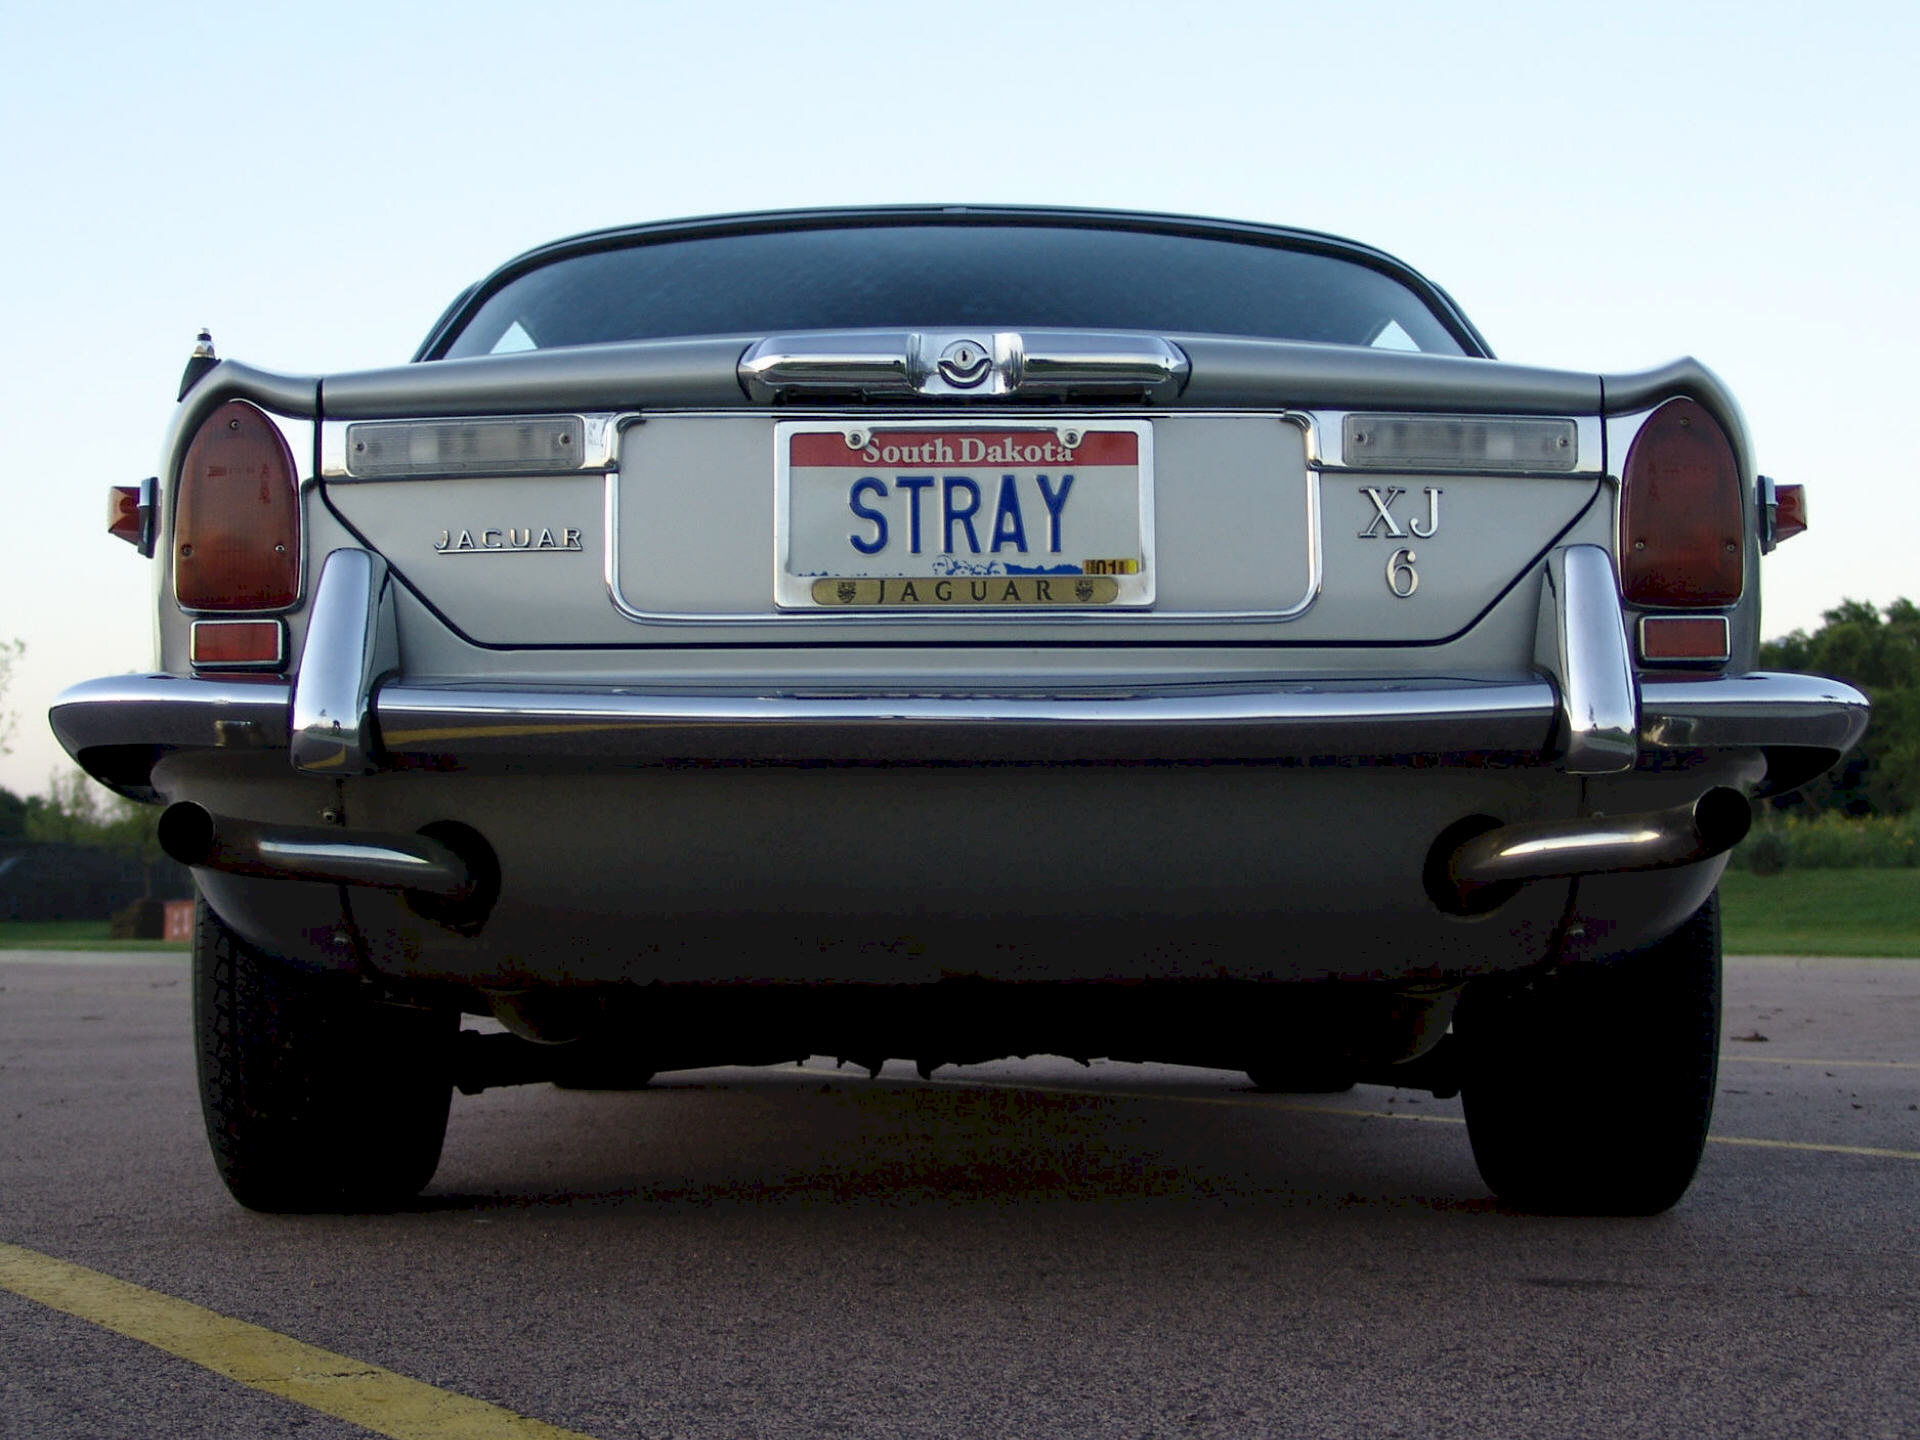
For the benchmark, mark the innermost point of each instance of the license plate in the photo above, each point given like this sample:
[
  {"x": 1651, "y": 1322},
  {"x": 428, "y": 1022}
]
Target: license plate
[{"x": 964, "y": 515}]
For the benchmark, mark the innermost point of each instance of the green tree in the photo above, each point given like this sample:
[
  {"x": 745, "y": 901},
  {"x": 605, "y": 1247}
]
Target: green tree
[
  {"x": 13, "y": 810},
  {"x": 75, "y": 810},
  {"x": 1880, "y": 653},
  {"x": 10, "y": 653},
  {"x": 79, "y": 811}
]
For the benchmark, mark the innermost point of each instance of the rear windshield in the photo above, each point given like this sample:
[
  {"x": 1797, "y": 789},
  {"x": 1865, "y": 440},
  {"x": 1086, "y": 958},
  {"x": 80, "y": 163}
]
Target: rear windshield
[{"x": 944, "y": 276}]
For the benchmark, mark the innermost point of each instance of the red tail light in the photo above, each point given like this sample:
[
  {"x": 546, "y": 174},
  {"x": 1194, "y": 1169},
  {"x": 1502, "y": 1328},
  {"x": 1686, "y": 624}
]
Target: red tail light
[
  {"x": 238, "y": 644},
  {"x": 1682, "y": 523},
  {"x": 236, "y": 517}
]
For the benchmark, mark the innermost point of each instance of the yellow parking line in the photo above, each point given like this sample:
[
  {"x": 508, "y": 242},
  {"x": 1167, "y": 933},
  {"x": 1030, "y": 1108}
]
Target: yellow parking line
[
  {"x": 1826, "y": 1064},
  {"x": 1255, "y": 1102},
  {"x": 366, "y": 1395},
  {"x": 1873, "y": 1150}
]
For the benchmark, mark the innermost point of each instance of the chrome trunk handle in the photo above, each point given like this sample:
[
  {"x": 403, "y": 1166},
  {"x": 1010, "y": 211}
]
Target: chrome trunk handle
[{"x": 954, "y": 364}]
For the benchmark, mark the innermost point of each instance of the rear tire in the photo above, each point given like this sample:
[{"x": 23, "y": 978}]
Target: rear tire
[
  {"x": 1589, "y": 1091},
  {"x": 316, "y": 1095}
]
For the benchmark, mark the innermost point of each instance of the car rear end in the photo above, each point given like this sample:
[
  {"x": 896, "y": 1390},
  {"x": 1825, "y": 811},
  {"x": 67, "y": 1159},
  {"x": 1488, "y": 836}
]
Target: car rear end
[{"x": 920, "y": 647}]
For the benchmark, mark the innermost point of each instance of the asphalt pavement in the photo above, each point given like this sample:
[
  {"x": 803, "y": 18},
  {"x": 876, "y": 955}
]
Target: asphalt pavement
[{"x": 1019, "y": 1249}]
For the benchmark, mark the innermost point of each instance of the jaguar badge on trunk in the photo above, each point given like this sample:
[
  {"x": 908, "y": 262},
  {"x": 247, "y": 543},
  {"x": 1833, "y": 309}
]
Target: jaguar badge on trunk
[{"x": 509, "y": 541}]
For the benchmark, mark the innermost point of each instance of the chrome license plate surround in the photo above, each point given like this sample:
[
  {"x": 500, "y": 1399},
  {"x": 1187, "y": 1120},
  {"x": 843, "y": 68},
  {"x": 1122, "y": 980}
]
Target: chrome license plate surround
[{"x": 817, "y": 574}]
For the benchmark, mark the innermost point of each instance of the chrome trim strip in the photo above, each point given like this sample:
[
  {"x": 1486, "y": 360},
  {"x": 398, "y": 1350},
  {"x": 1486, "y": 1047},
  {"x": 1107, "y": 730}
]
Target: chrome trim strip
[
  {"x": 1316, "y": 557},
  {"x": 352, "y": 644},
  {"x": 1581, "y": 644}
]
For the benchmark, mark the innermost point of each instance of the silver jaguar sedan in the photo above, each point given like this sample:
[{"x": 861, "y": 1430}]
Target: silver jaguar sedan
[{"x": 951, "y": 632}]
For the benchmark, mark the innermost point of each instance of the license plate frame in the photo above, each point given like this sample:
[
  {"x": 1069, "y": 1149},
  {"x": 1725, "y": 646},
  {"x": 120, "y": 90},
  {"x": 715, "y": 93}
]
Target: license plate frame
[{"x": 1012, "y": 470}]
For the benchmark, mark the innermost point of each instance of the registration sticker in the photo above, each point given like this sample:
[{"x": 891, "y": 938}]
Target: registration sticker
[{"x": 964, "y": 515}]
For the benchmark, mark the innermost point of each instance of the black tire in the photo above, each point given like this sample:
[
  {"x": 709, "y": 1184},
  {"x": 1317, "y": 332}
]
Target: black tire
[
  {"x": 1589, "y": 1091},
  {"x": 317, "y": 1096}
]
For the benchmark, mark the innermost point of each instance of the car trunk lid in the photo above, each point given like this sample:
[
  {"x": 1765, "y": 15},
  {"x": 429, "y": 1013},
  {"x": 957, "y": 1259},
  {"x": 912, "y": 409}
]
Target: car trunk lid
[{"x": 844, "y": 488}]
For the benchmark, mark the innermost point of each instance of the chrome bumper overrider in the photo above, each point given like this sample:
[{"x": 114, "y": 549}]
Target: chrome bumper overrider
[{"x": 343, "y": 716}]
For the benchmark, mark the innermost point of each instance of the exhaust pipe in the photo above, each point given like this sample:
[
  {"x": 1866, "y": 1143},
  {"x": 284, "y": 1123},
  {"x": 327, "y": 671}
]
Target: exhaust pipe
[
  {"x": 193, "y": 836},
  {"x": 1603, "y": 844}
]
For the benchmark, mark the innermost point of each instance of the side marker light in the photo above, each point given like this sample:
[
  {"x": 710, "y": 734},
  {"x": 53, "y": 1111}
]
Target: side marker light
[
  {"x": 1787, "y": 512},
  {"x": 130, "y": 512}
]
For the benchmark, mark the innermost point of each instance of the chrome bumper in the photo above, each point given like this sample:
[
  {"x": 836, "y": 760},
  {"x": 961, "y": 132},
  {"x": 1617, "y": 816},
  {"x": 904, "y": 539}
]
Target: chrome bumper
[{"x": 342, "y": 716}]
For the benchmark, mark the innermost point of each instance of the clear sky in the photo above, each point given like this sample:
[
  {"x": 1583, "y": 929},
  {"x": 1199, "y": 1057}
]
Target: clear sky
[{"x": 1602, "y": 187}]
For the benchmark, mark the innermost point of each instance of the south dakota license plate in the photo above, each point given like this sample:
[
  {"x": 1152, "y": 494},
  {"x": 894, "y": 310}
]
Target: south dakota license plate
[{"x": 963, "y": 515}]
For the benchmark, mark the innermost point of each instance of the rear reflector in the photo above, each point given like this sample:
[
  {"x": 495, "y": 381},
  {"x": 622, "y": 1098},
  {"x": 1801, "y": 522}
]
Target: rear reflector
[
  {"x": 1459, "y": 442},
  {"x": 1684, "y": 637},
  {"x": 236, "y": 518},
  {"x": 529, "y": 445},
  {"x": 1682, "y": 523},
  {"x": 238, "y": 644}
]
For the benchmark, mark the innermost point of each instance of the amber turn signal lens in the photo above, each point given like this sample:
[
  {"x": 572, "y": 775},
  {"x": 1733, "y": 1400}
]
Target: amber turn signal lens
[
  {"x": 236, "y": 519},
  {"x": 124, "y": 518},
  {"x": 1682, "y": 523}
]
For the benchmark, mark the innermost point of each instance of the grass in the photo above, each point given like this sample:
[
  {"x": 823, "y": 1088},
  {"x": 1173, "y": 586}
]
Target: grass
[
  {"x": 72, "y": 935},
  {"x": 1830, "y": 841},
  {"x": 1822, "y": 912},
  {"x": 1797, "y": 912}
]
